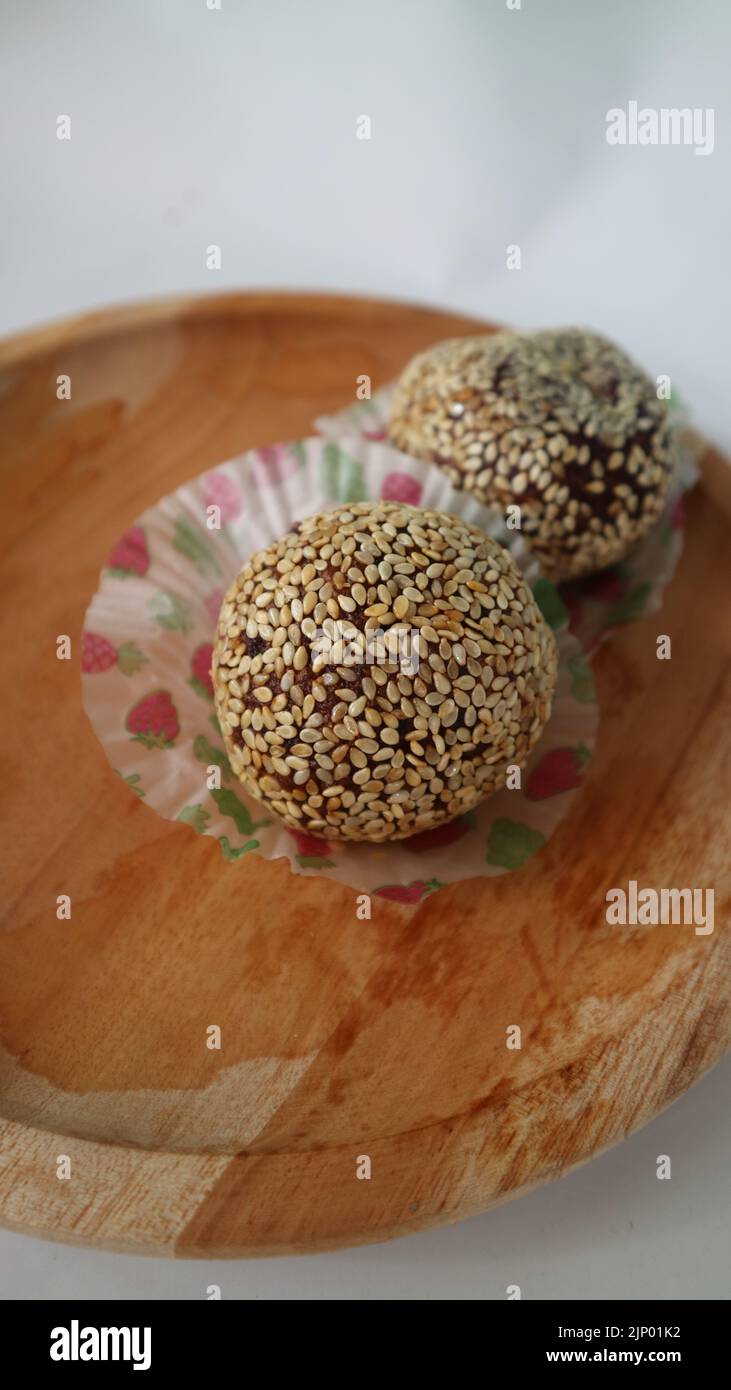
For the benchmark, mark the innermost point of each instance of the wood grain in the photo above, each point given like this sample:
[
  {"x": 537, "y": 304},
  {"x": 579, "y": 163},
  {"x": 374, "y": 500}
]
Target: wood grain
[{"x": 340, "y": 1037}]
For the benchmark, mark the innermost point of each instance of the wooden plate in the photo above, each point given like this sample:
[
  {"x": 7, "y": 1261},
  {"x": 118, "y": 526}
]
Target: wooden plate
[{"x": 341, "y": 1038}]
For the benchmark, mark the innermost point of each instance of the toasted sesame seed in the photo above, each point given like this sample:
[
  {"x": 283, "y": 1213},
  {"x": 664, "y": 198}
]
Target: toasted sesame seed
[
  {"x": 539, "y": 408},
  {"x": 367, "y": 750}
]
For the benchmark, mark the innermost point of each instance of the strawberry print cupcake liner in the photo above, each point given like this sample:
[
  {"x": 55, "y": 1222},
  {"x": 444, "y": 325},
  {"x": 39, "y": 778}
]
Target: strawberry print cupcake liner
[
  {"x": 600, "y": 603},
  {"x": 146, "y": 655}
]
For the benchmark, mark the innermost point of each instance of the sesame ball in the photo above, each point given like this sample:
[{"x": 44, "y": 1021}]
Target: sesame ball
[
  {"x": 560, "y": 421},
  {"x": 377, "y": 670}
]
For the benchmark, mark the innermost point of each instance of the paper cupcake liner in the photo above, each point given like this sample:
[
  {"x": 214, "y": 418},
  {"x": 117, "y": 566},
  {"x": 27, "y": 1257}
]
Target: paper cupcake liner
[
  {"x": 147, "y": 690},
  {"x": 600, "y": 603}
]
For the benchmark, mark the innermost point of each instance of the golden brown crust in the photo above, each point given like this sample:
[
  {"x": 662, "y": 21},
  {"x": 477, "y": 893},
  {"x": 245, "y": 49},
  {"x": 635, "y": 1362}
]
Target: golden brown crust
[
  {"x": 560, "y": 422},
  {"x": 353, "y": 735}
]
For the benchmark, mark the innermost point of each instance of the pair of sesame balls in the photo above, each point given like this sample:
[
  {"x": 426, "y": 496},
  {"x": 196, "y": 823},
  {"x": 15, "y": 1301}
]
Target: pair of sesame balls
[{"x": 378, "y": 669}]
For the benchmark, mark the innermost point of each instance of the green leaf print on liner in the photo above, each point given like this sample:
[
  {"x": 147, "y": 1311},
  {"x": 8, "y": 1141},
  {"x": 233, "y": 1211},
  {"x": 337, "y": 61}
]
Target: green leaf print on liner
[
  {"x": 170, "y": 612},
  {"x": 510, "y": 843},
  {"x": 229, "y": 805},
  {"x": 130, "y": 659},
  {"x": 194, "y": 544},
  {"x": 196, "y": 816},
  {"x": 311, "y": 861},
  {"x": 582, "y": 683},
  {"x": 230, "y": 853},
  {"x": 342, "y": 476},
  {"x": 132, "y": 779},
  {"x": 550, "y": 603},
  {"x": 206, "y": 753}
]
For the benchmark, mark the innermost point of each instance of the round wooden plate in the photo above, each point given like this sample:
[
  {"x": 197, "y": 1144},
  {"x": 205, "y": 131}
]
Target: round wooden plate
[{"x": 341, "y": 1038}]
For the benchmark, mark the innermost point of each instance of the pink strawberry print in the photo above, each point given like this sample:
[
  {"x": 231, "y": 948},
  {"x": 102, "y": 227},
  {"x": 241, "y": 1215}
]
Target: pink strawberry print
[
  {"x": 130, "y": 555},
  {"x": 98, "y": 654},
  {"x": 221, "y": 491},
  {"x": 312, "y": 852},
  {"x": 200, "y": 670},
  {"x": 574, "y": 605},
  {"x": 560, "y": 770},
  {"x": 408, "y": 892},
  {"x": 677, "y": 514},
  {"x": 275, "y": 463},
  {"x": 309, "y": 845},
  {"x": 401, "y": 487},
  {"x": 153, "y": 721},
  {"x": 438, "y": 837},
  {"x": 212, "y": 604}
]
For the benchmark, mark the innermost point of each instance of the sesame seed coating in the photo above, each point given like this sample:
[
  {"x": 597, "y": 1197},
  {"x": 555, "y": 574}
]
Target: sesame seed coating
[
  {"x": 560, "y": 421},
  {"x": 323, "y": 719}
]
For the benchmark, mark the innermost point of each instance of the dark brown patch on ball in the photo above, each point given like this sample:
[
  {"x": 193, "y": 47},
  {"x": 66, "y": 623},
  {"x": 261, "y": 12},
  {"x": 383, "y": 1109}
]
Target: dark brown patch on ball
[
  {"x": 560, "y": 422},
  {"x": 351, "y": 743}
]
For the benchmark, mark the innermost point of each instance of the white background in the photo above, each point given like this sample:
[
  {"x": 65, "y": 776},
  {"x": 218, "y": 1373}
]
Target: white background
[{"x": 192, "y": 127}]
